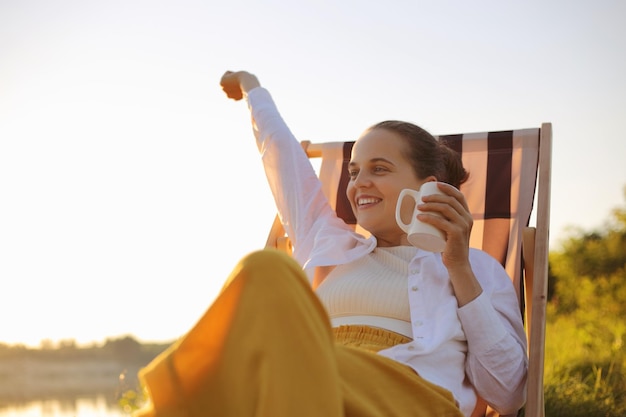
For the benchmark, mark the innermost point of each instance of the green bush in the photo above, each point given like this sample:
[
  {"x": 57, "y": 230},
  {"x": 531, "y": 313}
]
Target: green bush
[{"x": 585, "y": 364}]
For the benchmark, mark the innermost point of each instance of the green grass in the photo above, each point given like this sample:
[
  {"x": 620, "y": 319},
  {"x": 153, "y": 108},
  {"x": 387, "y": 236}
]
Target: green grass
[{"x": 585, "y": 366}]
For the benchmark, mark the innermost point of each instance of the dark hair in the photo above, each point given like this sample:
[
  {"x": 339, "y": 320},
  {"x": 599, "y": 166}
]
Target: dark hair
[{"x": 426, "y": 154}]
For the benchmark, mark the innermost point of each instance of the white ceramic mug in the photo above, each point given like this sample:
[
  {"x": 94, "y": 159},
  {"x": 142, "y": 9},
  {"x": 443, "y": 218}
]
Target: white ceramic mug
[{"x": 421, "y": 235}]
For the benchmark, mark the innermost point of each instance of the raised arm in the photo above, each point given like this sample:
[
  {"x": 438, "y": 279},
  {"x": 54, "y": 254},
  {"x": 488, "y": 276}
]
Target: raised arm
[{"x": 302, "y": 206}]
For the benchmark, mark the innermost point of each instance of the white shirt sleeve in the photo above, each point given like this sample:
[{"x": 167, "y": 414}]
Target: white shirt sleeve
[{"x": 497, "y": 362}]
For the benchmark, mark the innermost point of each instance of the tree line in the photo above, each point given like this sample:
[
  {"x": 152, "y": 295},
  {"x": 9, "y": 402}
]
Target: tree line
[{"x": 124, "y": 349}]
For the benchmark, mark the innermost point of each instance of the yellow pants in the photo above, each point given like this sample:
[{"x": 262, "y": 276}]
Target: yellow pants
[{"x": 265, "y": 348}]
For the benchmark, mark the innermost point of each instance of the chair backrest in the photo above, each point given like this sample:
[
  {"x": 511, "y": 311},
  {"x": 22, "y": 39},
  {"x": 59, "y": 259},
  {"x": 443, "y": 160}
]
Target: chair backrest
[{"x": 507, "y": 169}]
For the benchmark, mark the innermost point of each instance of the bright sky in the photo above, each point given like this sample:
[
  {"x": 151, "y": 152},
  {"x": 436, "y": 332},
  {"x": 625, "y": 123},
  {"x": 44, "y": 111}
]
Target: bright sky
[{"x": 130, "y": 186}]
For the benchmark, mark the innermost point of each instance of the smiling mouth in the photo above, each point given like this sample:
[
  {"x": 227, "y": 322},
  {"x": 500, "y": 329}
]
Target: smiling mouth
[{"x": 367, "y": 201}]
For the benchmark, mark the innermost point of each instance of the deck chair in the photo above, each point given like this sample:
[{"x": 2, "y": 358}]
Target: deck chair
[{"x": 507, "y": 170}]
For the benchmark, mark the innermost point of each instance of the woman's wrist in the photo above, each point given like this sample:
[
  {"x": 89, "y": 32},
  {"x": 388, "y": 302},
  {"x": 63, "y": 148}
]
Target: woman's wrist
[{"x": 248, "y": 81}]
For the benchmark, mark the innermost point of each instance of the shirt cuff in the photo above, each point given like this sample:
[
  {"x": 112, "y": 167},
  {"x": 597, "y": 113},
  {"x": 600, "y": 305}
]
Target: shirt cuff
[{"x": 254, "y": 92}]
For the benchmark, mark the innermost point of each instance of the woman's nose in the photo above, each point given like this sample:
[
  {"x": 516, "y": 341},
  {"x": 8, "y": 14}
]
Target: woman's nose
[{"x": 361, "y": 180}]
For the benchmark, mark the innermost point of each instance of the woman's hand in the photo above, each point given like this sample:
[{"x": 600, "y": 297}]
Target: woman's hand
[
  {"x": 236, "y": 84},
  {"x": 456, "y": 222}
]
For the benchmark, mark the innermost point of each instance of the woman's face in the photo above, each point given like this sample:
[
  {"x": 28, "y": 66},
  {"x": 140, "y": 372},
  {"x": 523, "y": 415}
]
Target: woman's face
[{"x": 378, "y": 172}]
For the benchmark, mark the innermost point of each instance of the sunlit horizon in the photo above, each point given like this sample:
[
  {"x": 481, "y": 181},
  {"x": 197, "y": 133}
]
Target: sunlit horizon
[{"x": 71, "y": 342}]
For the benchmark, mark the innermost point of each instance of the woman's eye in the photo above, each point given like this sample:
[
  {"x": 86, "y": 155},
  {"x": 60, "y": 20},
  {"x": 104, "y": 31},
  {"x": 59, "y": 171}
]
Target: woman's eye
[
  {"x": 379, "y": 169},
  {"x": 353, "y": 173}
]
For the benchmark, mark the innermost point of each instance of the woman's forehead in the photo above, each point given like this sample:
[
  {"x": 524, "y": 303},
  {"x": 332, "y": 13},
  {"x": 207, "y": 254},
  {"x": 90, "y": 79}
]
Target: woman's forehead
[{"x": 378, "y": 143}]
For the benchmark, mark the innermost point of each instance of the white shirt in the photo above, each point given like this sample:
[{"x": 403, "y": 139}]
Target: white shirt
[{"x": 480, "y": 346}]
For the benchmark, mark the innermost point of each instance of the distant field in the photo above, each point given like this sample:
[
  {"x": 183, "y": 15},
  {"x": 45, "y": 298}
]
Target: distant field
[{"x": 111, "y": 369}]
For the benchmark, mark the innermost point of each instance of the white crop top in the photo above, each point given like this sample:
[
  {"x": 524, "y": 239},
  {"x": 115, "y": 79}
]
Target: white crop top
[{"x": 371, "y": 290}]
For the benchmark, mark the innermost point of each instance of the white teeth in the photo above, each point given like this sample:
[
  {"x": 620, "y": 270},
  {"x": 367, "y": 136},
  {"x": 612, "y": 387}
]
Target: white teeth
[{"x": 363, "y": 201}]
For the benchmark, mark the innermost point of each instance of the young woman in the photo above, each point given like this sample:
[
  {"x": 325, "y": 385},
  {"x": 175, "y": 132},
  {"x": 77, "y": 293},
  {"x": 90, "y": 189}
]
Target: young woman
[{"x": 351, "y": 325}]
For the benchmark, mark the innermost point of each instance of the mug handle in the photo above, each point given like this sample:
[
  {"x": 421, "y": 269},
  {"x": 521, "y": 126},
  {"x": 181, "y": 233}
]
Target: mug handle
[{"x": 404, "y": 193}]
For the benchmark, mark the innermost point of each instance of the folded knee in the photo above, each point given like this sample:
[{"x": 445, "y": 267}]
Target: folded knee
[
  {"x": 267, "y": 258},
  {"x": 270, "y": 264}
]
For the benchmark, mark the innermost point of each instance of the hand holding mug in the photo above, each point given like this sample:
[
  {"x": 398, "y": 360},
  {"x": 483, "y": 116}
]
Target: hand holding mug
[{"x": 420, "y": 234}]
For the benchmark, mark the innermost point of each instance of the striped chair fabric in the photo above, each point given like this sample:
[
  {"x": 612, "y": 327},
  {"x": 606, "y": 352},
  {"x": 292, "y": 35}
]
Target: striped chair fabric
[{"x": 506, "y": 169}]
